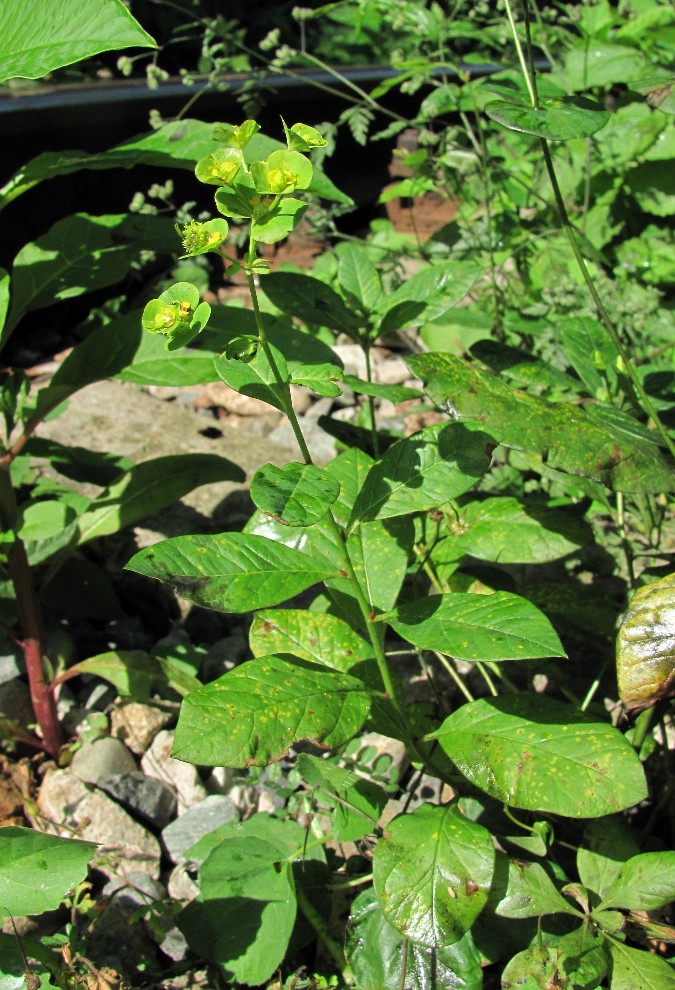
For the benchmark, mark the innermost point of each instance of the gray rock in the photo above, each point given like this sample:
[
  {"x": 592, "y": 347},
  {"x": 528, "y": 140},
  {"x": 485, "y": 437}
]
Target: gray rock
[
  {"x": 321, "y": 445},
  {"x": 137, "y": 725},
  {"x": 174, "y": 945},
  {"x": 134, "y": 890},
  {"x": 146, "y": 798},
  {"x": 198, "y": 821},
  {"x": 180, "y": 885},
  {"x": 100, "y": 758},
  {"x": 118, "y": 416},
  {"x": 12, "y": 663},
  {"x": 182, "y": 777},
  {"x": 67, "y": 806}
]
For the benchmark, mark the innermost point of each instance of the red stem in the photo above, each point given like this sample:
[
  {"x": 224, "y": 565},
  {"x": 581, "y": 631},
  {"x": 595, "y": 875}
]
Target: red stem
[{"x": 30, "y": 620}]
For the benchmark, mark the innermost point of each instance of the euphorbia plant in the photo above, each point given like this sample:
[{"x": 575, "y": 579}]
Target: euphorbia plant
[{"x": 369, "y": 529}]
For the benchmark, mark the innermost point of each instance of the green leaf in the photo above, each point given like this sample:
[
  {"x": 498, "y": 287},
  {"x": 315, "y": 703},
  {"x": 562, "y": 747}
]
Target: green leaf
[
  {"x": 151, "y": 363},
  {"x": 315, "y": 636},
  {"x": 357, "y": 802},
  {"x": 375, "y": 953},
  {"x": 256, "y": 377},
  {"x": 4, "y": 299},
  {"x": 279, "y": 222},
  {"x": 37, "y": 38},
  {"x": 518, "y": 366},
  {"x": 577, "y": 958},
  {"x": 358, "y": 278},
  {"x": 645, "y": 657},
  {"x": 81, "y": 253},
  {"x": 527, "y": 891},
  {"x": 608, "y": 842},
  {"x": 591, "y": 352},
  {"x": 496, "y": 627},
  {"x": 254, "y": 713},
  {"x": 297, "y": 494},
  {"x": 150, "y": 486},
  {"x": 379, "y": 552},
  {"x": 561, "y": 433},
  {"x": 37, "y": 870},
  {"x": 512, "y": 531},
  {"x": 539, "y": 754},
  {"x": 245, "y": 912},
  {"x": 311, "y": 301},
  {"x": 432, "y": 873},
  {"x": 555, "y": 120},
  {"x": 134, "y": 673},
  {"x": 395, "y": 393},
  {"x": 231, "y": 572},
  {"x": 321, "y": 378},
  {"x": 600, "y": 64},
  {"x": 643, "y": 883},
  {"x": 432, "y": 292},
  {"x": 636, "y": 969},
  {"x": 423, "y": 471}
]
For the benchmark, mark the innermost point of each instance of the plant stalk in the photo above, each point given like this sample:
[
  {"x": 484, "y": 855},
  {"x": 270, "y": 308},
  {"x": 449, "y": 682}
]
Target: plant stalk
[
  {"x": 324, "y": 936},
  {"x": 30, "y": 619}
]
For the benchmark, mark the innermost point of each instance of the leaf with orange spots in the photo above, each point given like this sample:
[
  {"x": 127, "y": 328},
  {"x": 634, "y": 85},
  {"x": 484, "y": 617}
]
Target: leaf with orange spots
[
  {"x": 253, "y": 714},
  {"x": 543, "y": 755}
]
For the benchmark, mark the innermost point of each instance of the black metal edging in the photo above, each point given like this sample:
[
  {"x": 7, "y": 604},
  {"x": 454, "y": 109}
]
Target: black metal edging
[{"x": 102, "y": 95}]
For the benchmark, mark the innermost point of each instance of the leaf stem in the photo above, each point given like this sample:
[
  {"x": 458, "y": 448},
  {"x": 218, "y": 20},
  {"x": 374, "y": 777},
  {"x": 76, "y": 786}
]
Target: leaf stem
[{"x": 321, "y": 928}]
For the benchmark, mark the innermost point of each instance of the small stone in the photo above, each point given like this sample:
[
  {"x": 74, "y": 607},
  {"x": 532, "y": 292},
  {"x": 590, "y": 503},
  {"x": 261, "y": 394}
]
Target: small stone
[
  {"x": 67, "y": 807},
  {"x": 100, "y": 758},
  {"x": 174, "y": 945},
  {"x": 134, "y": 890},
  {"x": 220, "y": 781},
  {"x": 353, "y": 359},
  {"x": 183, "y": 777},
  {"x": 137, "y": 725},
  {"x": 301, "y": 399},
  {"x": 199, "y": 820},
  {"x": 12, "y": 664},
  {"x": 269, "y": 800},
  {"x": 392, "y": 371},
  {"x": 245, "y": 796},
  {"x": 321, "y": 407},
  {"x": 180, "y": 885},
  {"x": 146, "y": 798},
  {"x": 321, "y": 445},
  {"x": 220, "y": 394},
  {"x": 98, "y": 697}
]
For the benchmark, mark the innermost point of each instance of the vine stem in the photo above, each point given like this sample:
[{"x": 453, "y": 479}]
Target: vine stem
[{"x": 579, "y": 258}]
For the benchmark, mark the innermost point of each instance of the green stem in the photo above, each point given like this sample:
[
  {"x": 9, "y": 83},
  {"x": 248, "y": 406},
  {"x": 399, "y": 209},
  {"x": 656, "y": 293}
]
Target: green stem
[
  {"x": 321, "y": 928},
  {"x": 579, "y": 258},
  {"x": 375, "y": 440}
]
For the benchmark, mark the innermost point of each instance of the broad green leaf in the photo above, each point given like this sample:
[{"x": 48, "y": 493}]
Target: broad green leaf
[
  {"x": 500, "y": 626},
  {"x": 577, "y": 958},
  {"x": 643, "y": 883},
  {"x": 81, "y": 253},
  {"x": 653, "y": 186},
  {"x": 254, "y": 713},
  {"x": 379, "y": 552},
  {"x": 321, "y": 378},
  {"x": 40, "y": 36},
  {"x": 4, "y": 299},
  {"x": 608, "y": 842},
  {"x": 37, "y": 871},
  {"x": 512, "y": 531},
  {"x": 314, "y": 636},
  {"x": 311, "y": 301},
  {"x": 357, "y": 802},
  {"x": 519, "y": 366},
  {"x": 134, "y": 673},
  {"x": 279, "y": 223},
  {"x": 349, "y": 469},
  {"x": 527, "y": 891},
  {"x": 375, "y": 953},
  {"x": 432, "y": 873},
  {"x": 231, "y": 572},
  {"x": 256, "y": 377},
  {"x": 543, "y": 755},
  {"x": 637, "y": 969},
  {"x": 358, "y": 278},
  {"x": 150, "y": 486},
  {"x": 395, "y": 393},
  {"x": 245, "y": 912},
  {"x": 555, "y": 120},
  {"x": 296, "y": 494},
  {"x": 151, "y": 363},
  {"x": 645, "y": 653},
  {"x": 591, "y": 352},
  {"x": 600, "y": 64},
  {"x": 432, "y": 292},
  {"x": 561, "y": 433},
  {"x": 423, "y": 471}
]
